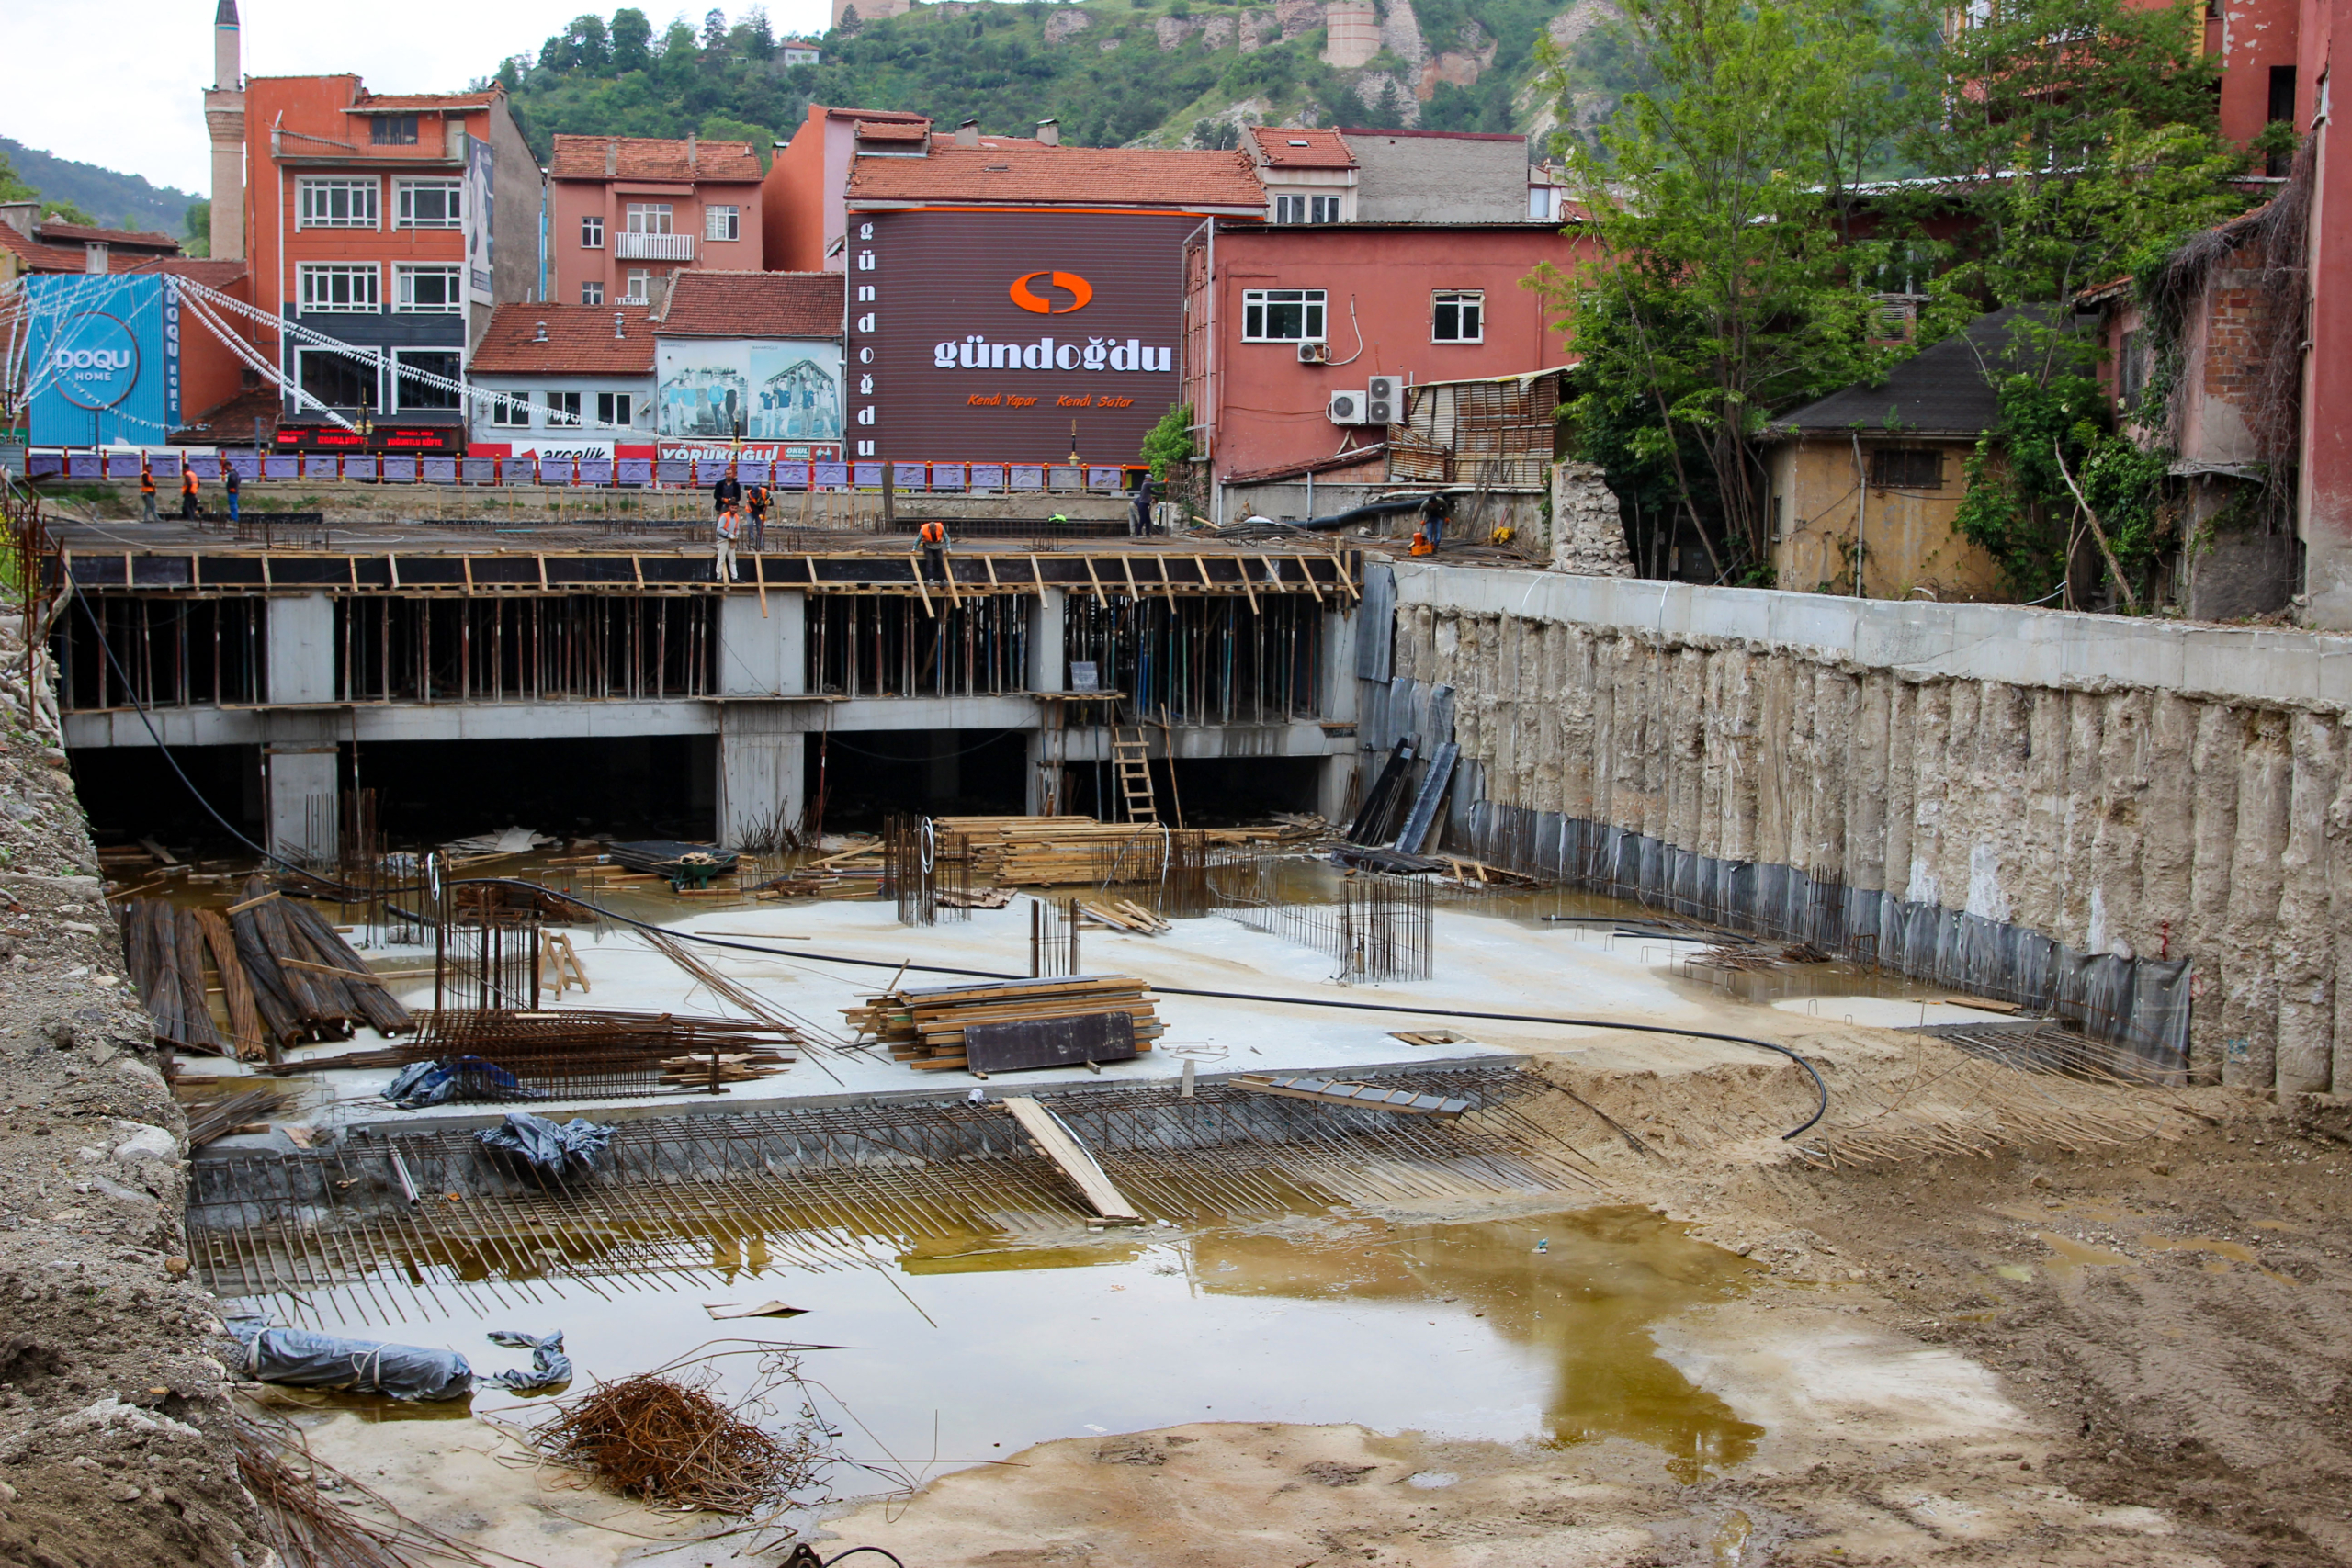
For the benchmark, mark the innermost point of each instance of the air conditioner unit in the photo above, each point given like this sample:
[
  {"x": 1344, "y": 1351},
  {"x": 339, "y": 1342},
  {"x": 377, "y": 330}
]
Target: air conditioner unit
[
  {"x": 1314, "y": 353},
  {"x": 1384, "y": 400},
  {"x": 1345, "y": 408}
]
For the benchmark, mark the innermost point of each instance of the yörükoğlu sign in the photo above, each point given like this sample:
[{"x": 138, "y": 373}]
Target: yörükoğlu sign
[
  {"x": 103, "y": 359},
  {"x": 989, "y": 335}
]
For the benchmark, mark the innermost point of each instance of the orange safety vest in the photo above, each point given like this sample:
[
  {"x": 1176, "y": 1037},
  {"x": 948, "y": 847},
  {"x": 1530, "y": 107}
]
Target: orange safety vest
[
  {"x": 933, "y": 534},
  {"x": 146, "y": 482},
  {"x": 187, "y": 481},
  {"x": 729, "y": 527}
]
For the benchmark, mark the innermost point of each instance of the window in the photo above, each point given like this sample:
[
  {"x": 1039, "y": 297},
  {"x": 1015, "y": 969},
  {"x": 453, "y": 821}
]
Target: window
[
  {"x": 648, "y": 217},
  {"x": 1323, "y": 209},
  {"x": 510, "y": 411},
  {"x": 336, "y": 204},
  {"x": 393, "y": 130},
  {"x": 1282, "y": 315},
  {"x": 641, "y": 286},
  {"x": 722, "y": 223},
  {"x": 427, "y": 204},
  {"x": 592, "y": 294},
  {"x": 428, "y": 290},
  {"x": 336, "y": 379},
  {"x": 1290, "y": 210},
  {"x": 337, "y": 287},
  {"x": 1306, "y": 210},
  {"x": 592, "y": 233},
  {"x": 563, "y": 409},
  {"x": 409, "y": 393},
  {"x": 1458, "y": 315},
  {"x": 2282, "y": 108},
  {"x": 614, "y": 408},
  {"x": 1905, "y": 468}
]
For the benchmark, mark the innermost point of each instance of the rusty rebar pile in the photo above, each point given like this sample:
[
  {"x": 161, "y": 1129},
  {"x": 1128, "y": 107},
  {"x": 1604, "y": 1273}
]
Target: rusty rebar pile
[{"x": 670, "y": 1442}]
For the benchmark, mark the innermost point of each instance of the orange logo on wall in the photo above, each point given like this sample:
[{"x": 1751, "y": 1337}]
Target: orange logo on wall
[{"x": 1078, "y": 289}]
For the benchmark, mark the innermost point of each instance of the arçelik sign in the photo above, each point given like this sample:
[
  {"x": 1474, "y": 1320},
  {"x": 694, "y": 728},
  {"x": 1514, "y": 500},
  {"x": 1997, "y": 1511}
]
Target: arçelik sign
[
  {"x": 1012, "y": 336},
  {"x": 103, "y": 359}
]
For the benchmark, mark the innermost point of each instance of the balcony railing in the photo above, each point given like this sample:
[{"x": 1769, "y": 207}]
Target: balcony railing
[{"x": 654, "y": 247}]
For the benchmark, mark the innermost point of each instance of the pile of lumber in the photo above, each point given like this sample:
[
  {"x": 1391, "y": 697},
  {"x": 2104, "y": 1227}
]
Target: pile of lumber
[
  {"x": 1125, "y": 915},
  {"x": 305, "y": 981},
  {"x": 924, "y": 1028},
  {"x": 1045, "y": 851},
  {"x": 854, "y": 873}
]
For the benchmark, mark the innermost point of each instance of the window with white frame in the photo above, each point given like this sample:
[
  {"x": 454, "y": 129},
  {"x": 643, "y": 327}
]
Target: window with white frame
[
  {"x": 592, "y": 233},
  {"x": 428, "y": 290},
  {"x": 1282, "y": 315},
  {"x": 722, "y": 222},
  {"x": 1306, "y": 210},
  {"x": 1458, "y": 315},
  {"x": 563, "y": 409},
  {"x": 428, "y": 204},
  {"x": 648, "y": 217},
  {"x": 640, "y": 288},
  {"x": 323, "y": 203},
  {"x": 510, "y": 411},
  {"x": 592, "y": 294},
  {"x": 614, "y": 408},
  {"x": 339, "y": 286}
]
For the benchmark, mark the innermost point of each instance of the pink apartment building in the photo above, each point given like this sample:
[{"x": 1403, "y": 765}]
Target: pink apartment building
[{"x": 627, "y": 211}]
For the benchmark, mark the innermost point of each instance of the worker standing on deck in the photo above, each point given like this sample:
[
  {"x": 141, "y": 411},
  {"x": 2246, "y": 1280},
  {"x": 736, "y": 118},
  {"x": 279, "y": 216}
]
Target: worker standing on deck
[
  {"x": 756, "y": 502},
  {"x": 187, "y": 492},
  {"x": 730, "y": 529},
  {"x": 934, "y": 535},
  {"x": 1146, "y": 492},
  {"x": 1435, "y": 510},
  {"x": 147, "y": 495},
  {"x": 727, "y": 493},
  {"x": 229, "y": 482}
]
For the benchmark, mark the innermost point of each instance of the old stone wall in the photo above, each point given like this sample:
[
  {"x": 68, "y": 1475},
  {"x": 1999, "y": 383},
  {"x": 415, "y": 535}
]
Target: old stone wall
[{"x": 2021, "y": 779}]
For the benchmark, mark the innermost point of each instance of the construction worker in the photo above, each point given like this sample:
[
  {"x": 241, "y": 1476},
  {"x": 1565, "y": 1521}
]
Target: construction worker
[
  {"x": 147, "y": 495},
  {"x": 730, "y": 529},
  {"x": 756, "y": 502},
  {"x": 188, "y": 492},
  {"x": 1435, "y": 510},
  {"x": 933, "y": 536},
  {"x": 727, "y": 493},
  {"x": 1140, "y": 522},
  {"x": 229, "y": 485}
]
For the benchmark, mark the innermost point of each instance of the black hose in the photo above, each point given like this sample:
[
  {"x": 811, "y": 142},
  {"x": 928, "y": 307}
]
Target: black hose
[{"x": 1821, "y": 1089}]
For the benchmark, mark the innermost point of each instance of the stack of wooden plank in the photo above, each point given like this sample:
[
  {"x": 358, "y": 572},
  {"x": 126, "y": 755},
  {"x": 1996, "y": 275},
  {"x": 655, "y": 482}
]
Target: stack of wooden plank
[
  {"x": 924, "y": 1028},
  {"x": 307, "y": 984},
  {"x": 854, "y": 873},
  {"x": 1044, "y": 851},
  {"x": 1125, "y": 915}
]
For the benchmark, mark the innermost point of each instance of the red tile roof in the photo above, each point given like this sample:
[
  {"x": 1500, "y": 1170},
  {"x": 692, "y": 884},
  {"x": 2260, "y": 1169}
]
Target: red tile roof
[
  {"x": 1302, "y": 147},
  {"x": 753, "y": 304},
  {"x": 34, "y": 256},
  {"x": 652, "y": 158},
  {"x": 1075, "y": 177},
  {"x": 403, "y": 103},
  {"x": 63, "y": 233},
  {"x": 579, "y": 341},
  {"x": 197, "y": 269},
  {"x": 893, "y": 129}
]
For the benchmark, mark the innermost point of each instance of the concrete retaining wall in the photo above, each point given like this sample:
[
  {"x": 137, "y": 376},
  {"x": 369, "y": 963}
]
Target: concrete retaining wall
[{"x": 2136, "y": 790}]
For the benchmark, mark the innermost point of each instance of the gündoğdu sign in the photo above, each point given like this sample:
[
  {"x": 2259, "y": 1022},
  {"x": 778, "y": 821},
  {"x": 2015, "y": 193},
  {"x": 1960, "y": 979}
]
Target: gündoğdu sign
[{"x": 988, "y": 336}]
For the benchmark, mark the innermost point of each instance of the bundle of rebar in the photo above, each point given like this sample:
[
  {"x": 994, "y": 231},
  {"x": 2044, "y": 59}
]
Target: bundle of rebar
[
  {"x": 579, "y": 1053},
  {"x": 307, "y": 984},
  {"x": 165, "y": 947},
  {"x": 924, "y": 1028},
  {"x": 672, "y": 1443}
]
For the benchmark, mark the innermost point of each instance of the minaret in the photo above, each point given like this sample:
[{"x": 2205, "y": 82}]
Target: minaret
[{"x": 225, "y": 116}]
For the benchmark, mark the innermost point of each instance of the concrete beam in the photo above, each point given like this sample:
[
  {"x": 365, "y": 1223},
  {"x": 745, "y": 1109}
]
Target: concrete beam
[
  {"x": 298, "y": 647},
  {"x": 762, "y": 644}
]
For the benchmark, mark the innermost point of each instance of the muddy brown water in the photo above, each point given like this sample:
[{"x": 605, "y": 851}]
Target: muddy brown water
[{"x": 974, "y": 1347}]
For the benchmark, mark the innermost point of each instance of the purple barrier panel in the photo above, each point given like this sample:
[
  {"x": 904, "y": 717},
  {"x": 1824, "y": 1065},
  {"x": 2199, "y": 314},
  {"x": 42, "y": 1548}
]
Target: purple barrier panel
[
  {"x": 866, "y": 476},
  {"x": 399, "y": 468},
  {"x": 440, "y": 470},
  {"x": 791, "y": 476},
  {"x": 280, "y": 466},
  {"x": 987, "y": 476},
  {"x": 673, "y": 474},
  {"x": 755, "y": 474},
  {"x": 123, "y": 466},
  {"x": 1102, "y": 479},
  {"x": 165, "y": 465},
  {"x": 636, "y": 472},
  {"x": 947, "y": 476},
  {"x": 84, "y": 466},
  {"x": 247, "y": 464},
  {"x": 45, "y": 465},
  {"x": 359, "y": 466},
  {"x": 830, "y": 476},
  {"x": 910, "y": 476},
  {"x": 318, "y": 465},
  {"x": 477, "y": 470},
  {"x": 1028, "y": 475},
  {"x": 596, "y": 472},
  {"x": 516, "y": 471},
  {"x": 204, "y": 467},
  {"x": 556, "y": 470}
]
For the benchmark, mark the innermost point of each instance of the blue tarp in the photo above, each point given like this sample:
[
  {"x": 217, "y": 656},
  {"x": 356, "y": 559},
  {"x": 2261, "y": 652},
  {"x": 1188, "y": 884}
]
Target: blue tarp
[
  {"x": 454, "y": 1077},
  {"x": 305, "y": 1360},
  {"x": 576, "y": 1144}
]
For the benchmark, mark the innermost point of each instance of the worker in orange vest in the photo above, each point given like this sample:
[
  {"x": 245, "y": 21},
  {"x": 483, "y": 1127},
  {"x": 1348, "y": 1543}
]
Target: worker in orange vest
[
  {"x": 934, "y": 535},
  {"x": 756, "y": 502},
  {"x": 147, "y": 495},
  {"x": 730, "y": 529},
  {"x": 187, "y": 492}
]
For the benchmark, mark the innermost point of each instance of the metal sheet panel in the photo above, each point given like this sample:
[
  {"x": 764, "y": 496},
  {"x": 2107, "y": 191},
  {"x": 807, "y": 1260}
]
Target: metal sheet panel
[{"x": 1049, "y": 1041}]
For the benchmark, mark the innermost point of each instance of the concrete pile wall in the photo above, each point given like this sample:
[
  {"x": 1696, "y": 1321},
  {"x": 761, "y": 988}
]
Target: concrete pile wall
[{"x": 2136, "y": 793}]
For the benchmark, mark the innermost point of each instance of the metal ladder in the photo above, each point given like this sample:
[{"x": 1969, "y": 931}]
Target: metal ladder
[{"x": 1131, "y": 762}]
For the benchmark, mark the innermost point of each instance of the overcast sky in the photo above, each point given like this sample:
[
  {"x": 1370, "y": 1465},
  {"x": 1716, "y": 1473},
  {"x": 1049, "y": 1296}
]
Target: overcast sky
[{"x": 120, "y": 83}]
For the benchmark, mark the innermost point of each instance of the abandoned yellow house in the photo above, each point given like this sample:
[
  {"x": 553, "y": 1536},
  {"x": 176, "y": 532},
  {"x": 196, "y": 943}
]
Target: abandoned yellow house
[{"x": 1874, "y": 475}]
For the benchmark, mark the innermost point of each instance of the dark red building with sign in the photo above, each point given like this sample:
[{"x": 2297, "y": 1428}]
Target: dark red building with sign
[{"x": 1020, "y": 303}]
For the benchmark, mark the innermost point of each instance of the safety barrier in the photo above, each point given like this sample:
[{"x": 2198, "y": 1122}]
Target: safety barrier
[{"x": 626, "y": 473}]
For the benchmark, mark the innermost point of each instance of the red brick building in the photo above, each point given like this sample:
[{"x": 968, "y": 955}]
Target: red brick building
[{"x": 626, "y": 213}]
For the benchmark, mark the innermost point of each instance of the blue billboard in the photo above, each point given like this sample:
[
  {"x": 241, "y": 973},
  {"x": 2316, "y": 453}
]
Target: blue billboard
[{"x": 103, "y": 360}]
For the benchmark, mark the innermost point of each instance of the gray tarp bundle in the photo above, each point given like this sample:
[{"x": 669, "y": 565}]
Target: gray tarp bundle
[
  {"x": 454, "y": 1077},
  {"x": 545, "y": 1145},
  {"x": 305, "y": 1360}
]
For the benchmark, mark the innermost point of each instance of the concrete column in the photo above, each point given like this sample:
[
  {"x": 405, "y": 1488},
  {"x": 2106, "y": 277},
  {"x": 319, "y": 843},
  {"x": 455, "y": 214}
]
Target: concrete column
[
  {"x": 1336, "y": 679},
  {"x": 304, "y": 814},
  {"x": 298, "y": 647},
  {"x": 764, "y": 648},
  {"x": 762, "y": 774},
  {"x": 1049, "y": 671}
]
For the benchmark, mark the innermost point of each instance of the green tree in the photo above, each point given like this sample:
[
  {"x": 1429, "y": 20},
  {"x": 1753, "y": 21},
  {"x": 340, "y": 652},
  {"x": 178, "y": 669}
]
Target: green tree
[
  {"x": 13, "y": 189},
  {"x": 1725, "y": 289},
  {"x": 197, "y": 240},
  {"x": 632, "y": 39},
  {"x": 1170, "y": 441}
]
